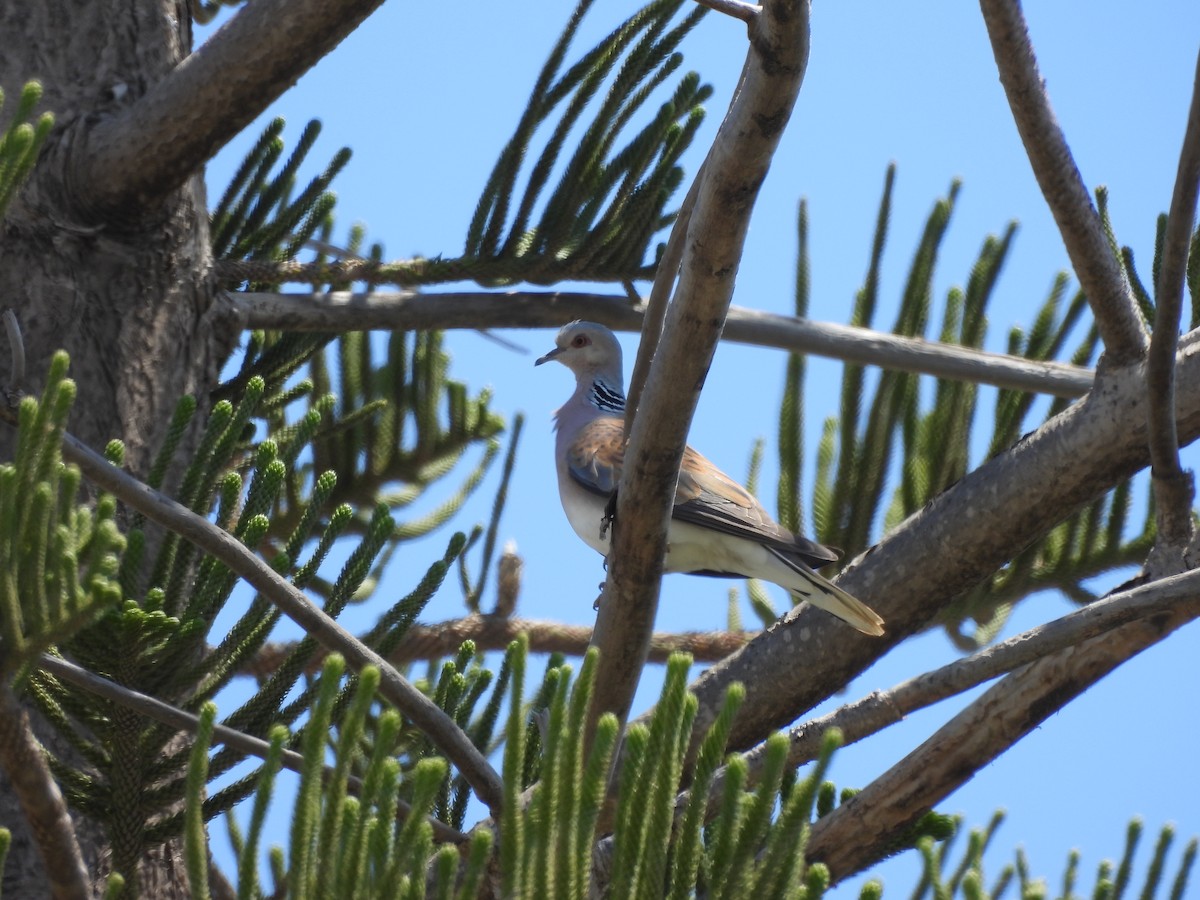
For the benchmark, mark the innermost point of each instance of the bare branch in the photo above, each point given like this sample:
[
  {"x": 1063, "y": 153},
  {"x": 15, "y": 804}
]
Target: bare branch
[
  {"x": 407, "y": 272},
  {"x": 890, "y": 351},
  {"x": 1173, "y": 487},
  {"x": 876, "y": 711},
  {"x": 344, "y": 311},
  {"x": 736, "y": 8},
  {"x": 852, "y": 837},
  {"x": 946, "y": 549},
  {"x": 731, "y": 177},
  {"x": 24, "y": 762},
  {"x": 176, "y": 718},
  {"x": 159, "y": 508},
  {"x": 157, "y": 142},
  {"x": 426, "y": 642},
  {"x": 1091, "y": 255}
]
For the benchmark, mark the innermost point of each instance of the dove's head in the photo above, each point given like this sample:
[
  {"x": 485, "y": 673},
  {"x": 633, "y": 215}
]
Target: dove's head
[{"x": 589, "y": 350}]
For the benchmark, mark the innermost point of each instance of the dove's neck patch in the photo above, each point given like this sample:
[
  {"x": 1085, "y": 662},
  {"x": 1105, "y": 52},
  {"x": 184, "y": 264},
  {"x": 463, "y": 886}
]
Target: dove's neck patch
[{"x": 606, "y": 398}]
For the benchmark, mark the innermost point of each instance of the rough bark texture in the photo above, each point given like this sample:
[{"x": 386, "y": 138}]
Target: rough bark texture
[{"x": 126, "y": 292}]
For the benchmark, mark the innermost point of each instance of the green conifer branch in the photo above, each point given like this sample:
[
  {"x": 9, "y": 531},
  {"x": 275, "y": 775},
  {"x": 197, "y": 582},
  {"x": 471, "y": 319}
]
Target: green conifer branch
[
  {"x": 598, "y": 220},
  {"x": 670, "y": 733},
  {"x": 195, "y": 844},
  {"x": 235, "y": 202},
  {"x": 155, "y": 647},
  {"x": 247, "y": 853},
  {"x": 60, "y": 559},
  {"x": 1179, "y": 884},
  {"x": 22, "y": 141},
  {"x": 937, "y": 443}
]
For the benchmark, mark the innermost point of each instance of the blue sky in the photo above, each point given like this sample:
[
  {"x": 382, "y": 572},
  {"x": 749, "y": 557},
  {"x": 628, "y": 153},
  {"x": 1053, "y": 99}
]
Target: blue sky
[{"x": 426, "y": 98}]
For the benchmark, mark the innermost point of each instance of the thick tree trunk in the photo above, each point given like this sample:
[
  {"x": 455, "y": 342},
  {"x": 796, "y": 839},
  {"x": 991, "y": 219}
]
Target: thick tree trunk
[{"x": 126, "y": 292}]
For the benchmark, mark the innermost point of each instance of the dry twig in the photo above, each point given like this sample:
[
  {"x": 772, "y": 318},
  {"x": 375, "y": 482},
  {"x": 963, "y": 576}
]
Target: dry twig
[
  {"x": 735, "y": 8},
  {"x": 426, "y": 642}
]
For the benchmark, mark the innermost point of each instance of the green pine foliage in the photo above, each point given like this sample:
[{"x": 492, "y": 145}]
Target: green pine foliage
[
  {"x": 21, "y": 141},
  {"x": 942, "y": 880},
  {"x": 351, "y": 836},
  {"x": 893, "y": 448},
  {"x": 597, "y": 221},
  {"x": 76, "y": 584},
  {"x": 59, "y": 556},
  {"x": 258, "y": 217},
  {"x": 373, "y": 837},
  {"x": 584, "y": 206},
  {"x": 362, "y": 822},
  {"x": 379, "y": 411}
]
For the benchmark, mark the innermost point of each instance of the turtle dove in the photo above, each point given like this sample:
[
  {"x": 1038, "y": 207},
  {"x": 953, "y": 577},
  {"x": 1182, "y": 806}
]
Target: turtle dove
[{"x": 717, "y": 527}]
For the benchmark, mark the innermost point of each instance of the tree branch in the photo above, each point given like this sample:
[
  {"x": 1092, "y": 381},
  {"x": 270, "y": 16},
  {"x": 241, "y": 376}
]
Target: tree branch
[
  {"x": 422, "y": 643},
  {"x": 176, "y": 718},
  {"x": 946, "y": 549},
  {"x": 859, "y": 832},
  {"x": 344, "y": 311},
  {"x": 417, "y": 271},
  {"x": 153, "y": 145},
  {"x": 1091, "y": 255},
  {"x": 197, "y": 530},
  {"x": 1173, "y": 488},
  {"x": 731, "y": 176},
  {"x": 24, "y": 762},
  {"x": 879, "y": 709}
]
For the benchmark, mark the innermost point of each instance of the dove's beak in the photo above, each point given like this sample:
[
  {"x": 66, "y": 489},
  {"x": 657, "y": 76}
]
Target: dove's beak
[{"x": 553, "y": 354}]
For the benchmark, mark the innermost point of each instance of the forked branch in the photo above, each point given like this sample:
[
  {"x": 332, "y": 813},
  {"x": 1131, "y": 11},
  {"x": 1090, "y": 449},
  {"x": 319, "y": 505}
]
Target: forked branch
[
  {"x": 735, "y": 8},
  {"x": 656, "y": 304},
  {"x": 947, "y": 548}
]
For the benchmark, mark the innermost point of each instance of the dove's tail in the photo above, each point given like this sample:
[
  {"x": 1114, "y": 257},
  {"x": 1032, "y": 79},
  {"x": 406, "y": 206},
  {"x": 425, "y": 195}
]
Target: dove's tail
[{"x": 831, "y": 598}]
